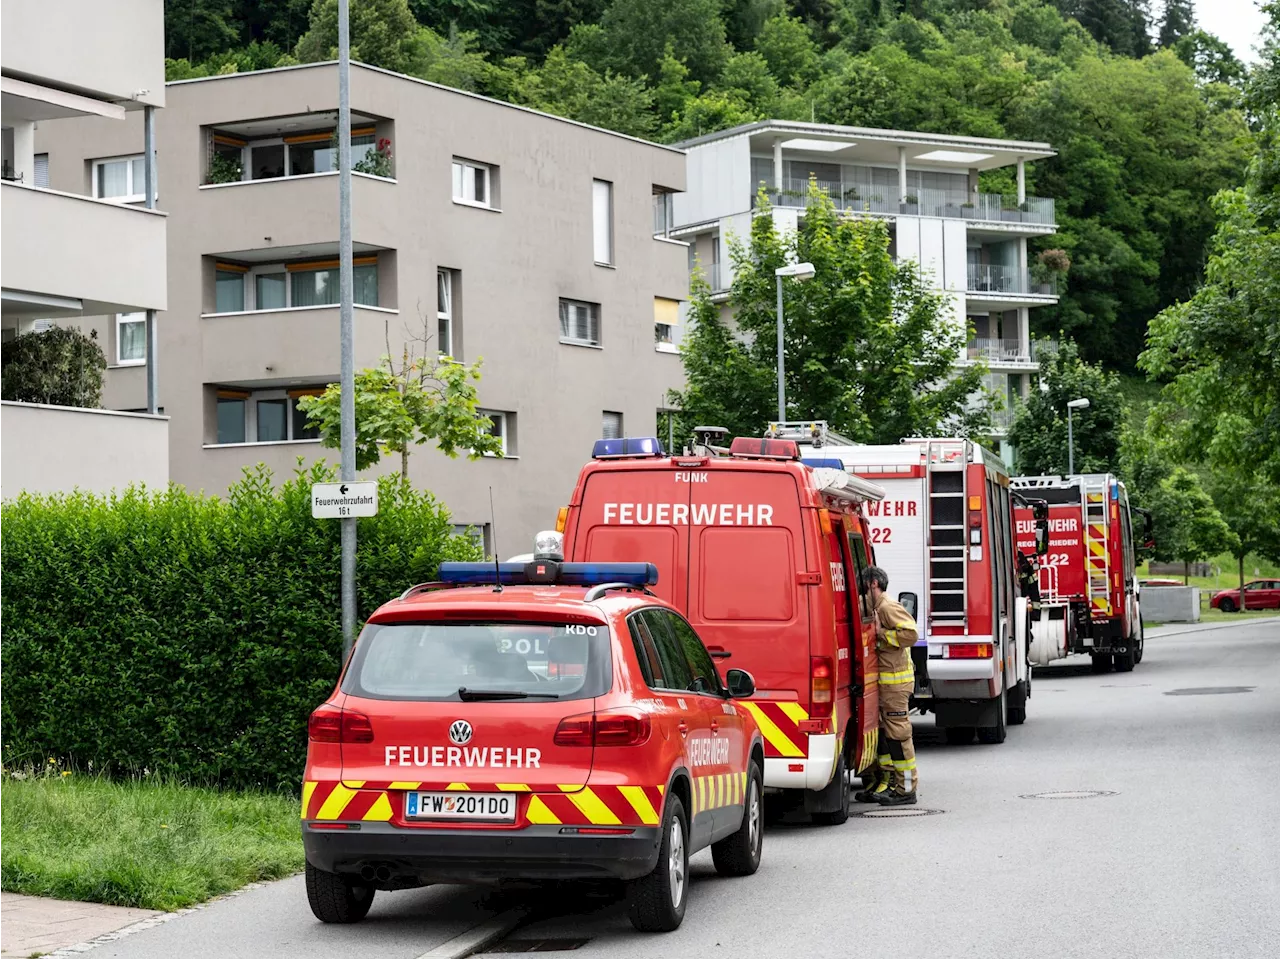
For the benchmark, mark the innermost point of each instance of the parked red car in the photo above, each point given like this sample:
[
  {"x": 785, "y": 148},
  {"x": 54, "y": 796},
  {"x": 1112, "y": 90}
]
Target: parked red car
[{"x": 1260, "y": 594}]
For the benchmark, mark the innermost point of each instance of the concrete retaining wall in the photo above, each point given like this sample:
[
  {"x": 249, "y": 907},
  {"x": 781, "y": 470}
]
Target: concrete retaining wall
[{"x": 1171, "y": 604}]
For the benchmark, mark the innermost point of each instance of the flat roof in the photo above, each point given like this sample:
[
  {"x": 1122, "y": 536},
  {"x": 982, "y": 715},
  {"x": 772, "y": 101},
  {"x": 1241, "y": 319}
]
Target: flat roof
[{"x": 426, "y": 83}]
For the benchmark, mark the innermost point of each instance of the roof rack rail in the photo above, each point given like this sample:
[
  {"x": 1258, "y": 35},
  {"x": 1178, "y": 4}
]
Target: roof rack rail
[
  {"x": 595, "y": 592},
  {"x": 813, "y": 433},
  {"x": 424, "y": 587}
]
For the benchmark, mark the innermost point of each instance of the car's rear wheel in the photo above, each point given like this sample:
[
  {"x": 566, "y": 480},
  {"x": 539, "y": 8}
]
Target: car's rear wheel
[
  {"x": 335, "y": 898},
  {"x": 739, "y": 854},
  {"x": 657, "y": 901},
  {"x": 1227, "y": 605}
]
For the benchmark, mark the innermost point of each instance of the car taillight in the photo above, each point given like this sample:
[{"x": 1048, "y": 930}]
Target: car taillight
[
  {"x": 967, "y": 651},
  {"x": 604, "y": 729},
  {"x": 329, "y": 724},
  {"x": 821, "y": 686}
]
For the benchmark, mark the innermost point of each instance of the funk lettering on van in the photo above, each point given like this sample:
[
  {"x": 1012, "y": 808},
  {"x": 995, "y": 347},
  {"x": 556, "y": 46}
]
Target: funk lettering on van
[
  {"x": 691, "y": 477},
  {"x": 485, "y": 756},
  {"x": 685, "y": 514},
  {"x": 892, "y": 507}
]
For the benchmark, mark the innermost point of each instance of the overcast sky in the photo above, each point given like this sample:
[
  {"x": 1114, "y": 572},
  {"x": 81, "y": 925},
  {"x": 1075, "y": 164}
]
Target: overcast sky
[{"x": 1238, "y": 22}]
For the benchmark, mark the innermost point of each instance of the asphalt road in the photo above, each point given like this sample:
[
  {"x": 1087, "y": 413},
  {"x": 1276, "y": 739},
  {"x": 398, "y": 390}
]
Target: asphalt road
[{"x": 1180, "y": 858}]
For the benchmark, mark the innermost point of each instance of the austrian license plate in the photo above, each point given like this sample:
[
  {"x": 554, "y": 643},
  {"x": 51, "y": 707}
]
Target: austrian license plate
[{"x": 487, "y": 807}]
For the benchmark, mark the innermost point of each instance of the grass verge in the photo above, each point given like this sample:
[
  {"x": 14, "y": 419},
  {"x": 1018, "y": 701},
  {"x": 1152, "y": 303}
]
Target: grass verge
[
  {"x": 1218, "y": 616},
  {"x": 153, "y": 845}
]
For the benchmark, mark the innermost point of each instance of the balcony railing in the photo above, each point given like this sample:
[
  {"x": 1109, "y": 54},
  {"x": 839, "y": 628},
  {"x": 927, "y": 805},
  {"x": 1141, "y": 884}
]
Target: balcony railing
[
  {"x": 999, "y": 351},
  {"x": 1007, "y": 280},
  {"x": 987, "y": 207}
]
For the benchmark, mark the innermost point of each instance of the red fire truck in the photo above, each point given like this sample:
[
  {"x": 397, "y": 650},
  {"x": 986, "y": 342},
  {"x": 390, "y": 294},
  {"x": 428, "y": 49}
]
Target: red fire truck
[
  {"x": 944, "y": 534},
  {"x": 1089, "y": 599}
]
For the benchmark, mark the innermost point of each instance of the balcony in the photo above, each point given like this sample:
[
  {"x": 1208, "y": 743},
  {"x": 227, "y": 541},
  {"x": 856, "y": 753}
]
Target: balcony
[
  {"x": 299, "y": 344},
  {"x": 1002, "y": 353},
  {"x": 68, "y": 254},
  {"x": 983, "y": 207},
  {"x": 989, "y": 281}
]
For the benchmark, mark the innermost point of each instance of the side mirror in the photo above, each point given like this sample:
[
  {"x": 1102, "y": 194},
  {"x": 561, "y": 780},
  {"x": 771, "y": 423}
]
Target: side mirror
[
  {"x": 909, "y": 602},
  {"x": 741, "y": 683},
  {"x": 1042, "y": 537}
]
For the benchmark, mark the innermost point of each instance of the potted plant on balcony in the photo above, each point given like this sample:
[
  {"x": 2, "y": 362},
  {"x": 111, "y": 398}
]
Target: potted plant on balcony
[
  {"x": 967, "y": 210},
  {"x": 377, "y": 162},
  {"x": 1049, "y": 270},
  {"x": 225, "y": 168},
  {"x": 910, "y": 204},
  {"x": 1009, "y": 211}
]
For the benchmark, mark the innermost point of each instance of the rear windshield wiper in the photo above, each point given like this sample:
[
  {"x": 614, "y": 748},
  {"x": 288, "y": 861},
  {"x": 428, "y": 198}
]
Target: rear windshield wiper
[{"x": 472, "y": 695}]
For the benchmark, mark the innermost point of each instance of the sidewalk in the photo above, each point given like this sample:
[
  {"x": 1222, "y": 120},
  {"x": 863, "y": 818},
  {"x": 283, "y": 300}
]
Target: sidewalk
[{"x": 33, "y": 925}]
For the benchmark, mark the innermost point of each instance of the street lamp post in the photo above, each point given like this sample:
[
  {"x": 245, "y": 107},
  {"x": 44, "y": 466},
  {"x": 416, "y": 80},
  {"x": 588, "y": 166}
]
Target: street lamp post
[
  {"x": 799, "y": 271},
  {"x": 1080, "y": 404}
]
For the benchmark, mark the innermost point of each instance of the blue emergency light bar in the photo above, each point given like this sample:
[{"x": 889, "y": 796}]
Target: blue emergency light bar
[
  {"x": 820, "y": 462},
  {"x": 548, "y": 572},
  {"x": 626, "y": 446}
]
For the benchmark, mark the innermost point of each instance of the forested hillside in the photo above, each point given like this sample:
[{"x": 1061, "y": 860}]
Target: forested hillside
[{"x": 1144, "y": 109}]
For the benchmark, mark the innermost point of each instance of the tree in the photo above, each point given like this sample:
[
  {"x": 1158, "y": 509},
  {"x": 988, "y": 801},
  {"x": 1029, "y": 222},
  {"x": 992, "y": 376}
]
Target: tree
[
  {"x": 637, "y": 33},
  {"x": 570, "y": 88},
  {"x": 870, "y": 346},
  {"x": 1250, "y": 506},
  {"x": 60, "y": 367},
  {"x": 788, "y": 48},
  {"x": 1188, "y": 527},
  {"x": 383, "y": 33},
  {"x": 1178, "y": 21},
  {"x": 428, "y": 398},
  {"x": 1039, "y": 431},
  {"x": 193, "y": 29}
]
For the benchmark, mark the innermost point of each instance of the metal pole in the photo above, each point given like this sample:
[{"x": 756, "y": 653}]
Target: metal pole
[
  {"x": 149, "y": 166},
  {"x": 1071, "y": 446},
  {"x": 346, "y": 324},
  {"x": 782, "y": 364}
]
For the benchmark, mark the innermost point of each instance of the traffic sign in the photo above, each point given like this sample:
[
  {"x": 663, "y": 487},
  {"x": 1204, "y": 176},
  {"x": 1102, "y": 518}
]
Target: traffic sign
[{"x": 343, "y": 500}]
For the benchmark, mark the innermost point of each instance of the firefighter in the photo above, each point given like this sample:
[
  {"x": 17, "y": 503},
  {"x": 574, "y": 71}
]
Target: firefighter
[{"x": 894, "y": 782}]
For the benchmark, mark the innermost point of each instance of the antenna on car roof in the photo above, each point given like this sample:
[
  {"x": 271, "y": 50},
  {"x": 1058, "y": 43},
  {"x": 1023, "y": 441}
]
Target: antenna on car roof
[{"x": 493, "y": 539}]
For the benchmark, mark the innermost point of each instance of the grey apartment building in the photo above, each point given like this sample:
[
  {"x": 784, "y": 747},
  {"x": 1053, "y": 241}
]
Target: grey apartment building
[{"x": 481, "y": 230}]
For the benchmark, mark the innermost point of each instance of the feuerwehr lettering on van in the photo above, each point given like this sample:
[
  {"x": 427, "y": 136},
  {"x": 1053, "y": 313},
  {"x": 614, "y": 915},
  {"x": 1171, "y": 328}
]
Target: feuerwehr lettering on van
[
  {"x": 708, "y": 752},
  {"x": 463, "y": 756},
  {"x": 684, "y": 514}
]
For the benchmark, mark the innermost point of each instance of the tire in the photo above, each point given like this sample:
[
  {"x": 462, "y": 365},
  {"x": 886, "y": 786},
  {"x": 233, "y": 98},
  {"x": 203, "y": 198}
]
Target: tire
[
  {"x": 1018, "y": 713},
  {"x": 959, "y": 735},
  {"x": 656, "y": 902},
  {"x": 334, "y": 898},
  {"x": 1124, "y": 662},
  {"x": 1142, "y": 640},
  {"x": 739, "y": 854},
  {"x": 993, "y": 735},
  {"x": 1228, "y": 605},
  {"x": 838, "y": 791},
  {"x": 1100, "y": 662}
]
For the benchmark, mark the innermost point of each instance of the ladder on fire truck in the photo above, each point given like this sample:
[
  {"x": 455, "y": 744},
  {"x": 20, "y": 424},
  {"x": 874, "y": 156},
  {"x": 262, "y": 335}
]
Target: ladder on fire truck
[
  {"x": 813, "y": 433},
  {"x": 1098, "y": 555},
  {"x": 946, "y": 547}
]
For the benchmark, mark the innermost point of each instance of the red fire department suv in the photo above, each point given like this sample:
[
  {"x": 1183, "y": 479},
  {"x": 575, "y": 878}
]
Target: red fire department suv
[
  {"x": 762, "y": 554},
  {"x": 564, "y": 724}
]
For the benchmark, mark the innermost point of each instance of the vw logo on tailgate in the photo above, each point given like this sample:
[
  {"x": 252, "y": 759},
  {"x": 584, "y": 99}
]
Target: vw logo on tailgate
[{"x": 460, "y": 732}]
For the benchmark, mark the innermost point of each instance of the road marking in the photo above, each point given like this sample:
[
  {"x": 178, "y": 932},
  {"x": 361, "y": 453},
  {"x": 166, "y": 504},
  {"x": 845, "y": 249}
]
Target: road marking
[{"x": 479, "y": 937}]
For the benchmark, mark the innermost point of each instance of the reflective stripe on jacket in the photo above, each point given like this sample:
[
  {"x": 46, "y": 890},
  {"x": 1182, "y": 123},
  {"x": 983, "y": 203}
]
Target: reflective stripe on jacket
[{"x": 894, "y": 639}]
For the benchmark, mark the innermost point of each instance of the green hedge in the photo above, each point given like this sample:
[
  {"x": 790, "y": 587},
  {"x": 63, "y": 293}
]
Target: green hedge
[{"x": 187, "y": 635}]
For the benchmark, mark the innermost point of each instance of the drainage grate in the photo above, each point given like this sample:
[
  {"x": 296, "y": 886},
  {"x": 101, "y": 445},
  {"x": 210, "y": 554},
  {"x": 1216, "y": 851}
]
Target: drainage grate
[
  {"x": 537, "y": 945},
  {"x": 898, "y": 812},
  {"x": 1210, "y": 690},
  {"x": 1071, "y": 794}
]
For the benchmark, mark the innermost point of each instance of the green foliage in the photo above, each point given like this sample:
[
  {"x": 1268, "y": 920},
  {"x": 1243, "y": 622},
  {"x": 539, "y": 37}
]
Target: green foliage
[
  {"x": 1188, "y": 527},
  {"x": 636, "y": 34},
  {"x": 1039, "y": 430},
  {"x": 190, "y": 636},
  {"x": 383, "y": 34},
  {"x": 146, "y": 842},
  {"x": 61, "y": 367},
  {"x": 869, "y": 345},
  {"x": 1250, "y": 506},
  {"x": 225, "y": 169},
  {"x": 429, "y": 400},
  {"x": 569, "y": 88}
]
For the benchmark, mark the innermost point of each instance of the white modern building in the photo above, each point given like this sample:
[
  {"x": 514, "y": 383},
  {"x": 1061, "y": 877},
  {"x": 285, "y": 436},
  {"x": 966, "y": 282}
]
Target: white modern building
[{"x": 925, "y": 185}]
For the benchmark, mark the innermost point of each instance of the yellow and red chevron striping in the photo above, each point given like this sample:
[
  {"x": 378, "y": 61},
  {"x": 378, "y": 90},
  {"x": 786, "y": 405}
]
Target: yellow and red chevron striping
[{"x": 779, "y": 724}]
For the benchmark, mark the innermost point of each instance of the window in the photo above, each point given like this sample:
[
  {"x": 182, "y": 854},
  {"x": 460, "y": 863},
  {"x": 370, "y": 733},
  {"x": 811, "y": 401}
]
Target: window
[
  {"x": 266, "y": 160},
  {"x": 131, "y": 339},
  {"x": 611, "y": 426},
  {"x": 231, "y": 416},
  {"x": 122, "y": 179},
  {"x": 471, "y": 183},
  {"x": 273, "y": 420},
  {"x": 478, "y": 533},
  {"x": 319, "y": 287},
  {"x": 41, "y": 178},
  {"x": 229, "y": 290},
  {"x": 444, "y": 311},
  {"x": 504, "y": 428},
  {"x": 705, "y": 678},
  {"x": 264, "y": 416},
  {"x": 602, "y": 220},
  {"x": 579, "y": 323},
  {"x": 675, "y": 668},
  {"x": 666, "y": 315},
  {"x": 646, "y": 652},
  {"x": 270, "y": 291}
]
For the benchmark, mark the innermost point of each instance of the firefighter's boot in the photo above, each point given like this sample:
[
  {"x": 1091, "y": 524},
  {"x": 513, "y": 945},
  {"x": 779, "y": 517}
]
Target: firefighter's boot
[
  {"x": 902, "y": 791},
  {"x": 878, "y": 779}
]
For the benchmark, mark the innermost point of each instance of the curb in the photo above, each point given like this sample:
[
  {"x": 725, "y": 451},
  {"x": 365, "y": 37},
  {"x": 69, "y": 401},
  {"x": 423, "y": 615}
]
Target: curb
[{"x": 1203, "y": 628}]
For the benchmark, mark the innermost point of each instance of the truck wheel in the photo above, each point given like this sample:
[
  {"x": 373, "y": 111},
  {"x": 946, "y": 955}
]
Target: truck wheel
[
  {"x": 835, "y": 794},
  {"x": 997, "y": 733},
  {"x": 1100, "y": 662},
  {"x": 1142, "y": 640},
  {"x": 656, "y": 902},
  {"x": 1018, "y": 702},
  {"x": 959, "y": 735},
  {"x": 1124, "y": 661},
  {"x": 739, "y": 854},
  {"x": 334, "y": 898}
]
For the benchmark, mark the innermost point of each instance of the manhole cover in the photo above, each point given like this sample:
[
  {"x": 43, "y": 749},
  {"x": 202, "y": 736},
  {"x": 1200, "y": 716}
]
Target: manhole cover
[
  {"x": 1210, "y": 690},
  {"x": 898, "y": 812},
  {"x": 1071, "y": 794},
  {"x": 537, "y": 945}
]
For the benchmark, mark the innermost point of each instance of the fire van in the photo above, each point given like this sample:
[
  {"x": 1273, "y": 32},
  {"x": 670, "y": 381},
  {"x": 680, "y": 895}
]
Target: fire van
[
  {"x": 761, "y": 554},
  {"x": 1089, "y": 600},
  {"x": 944, "y": 534}
]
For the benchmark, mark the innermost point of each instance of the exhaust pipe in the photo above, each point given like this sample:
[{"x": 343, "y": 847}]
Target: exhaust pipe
[
  {"x": 366, "y": 873},
  {"x": 383, "y": 874}
]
